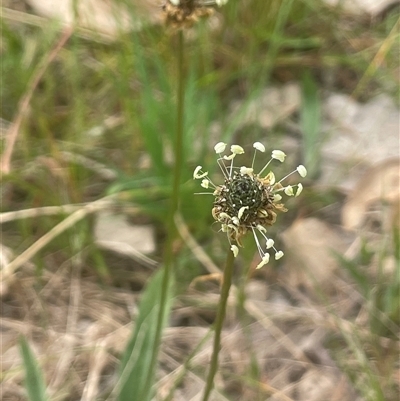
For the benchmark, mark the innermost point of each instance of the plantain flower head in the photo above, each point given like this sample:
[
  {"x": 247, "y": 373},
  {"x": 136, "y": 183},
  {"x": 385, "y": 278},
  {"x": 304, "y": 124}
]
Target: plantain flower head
[
  {"x": 249, "y": 202},
  {"x": 184, "y": 13}
]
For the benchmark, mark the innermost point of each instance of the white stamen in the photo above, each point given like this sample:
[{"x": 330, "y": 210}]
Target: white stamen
[
  {"x": 220, "y": 147},
  {"x": 278, "y": 155},
  {"x": 259, "y": 146},
  {"x": 235, "y": 220},
  {"x": 230, "y": 157},
  {"x": 299, "y": 190},
  {"x": 205, "y": 183},
  {"x": 260, "y": 250},
  {"x": 237, "y": 150},
  {"x": 301, "y": 170},
  {"x": 234, "y": 228},
  {"x": 196, "y": 174},
  {"x": 223, "y": 168},
  {"x": 264, "y": 261},
  {"x": 246, "y": 170},
  {"x": 270, "y": 243},
  {"x": 271, "y": 178},
  {"x": 261, "y": 228},
  {"x": 224, "y": 215},
  {"x": 265, "y": 167},
  {"x": 286, "y": 176},
  {"x": 278, "y": 255},
  {"x": 289, "y": 190},
  {"x": 241, "y": 211},
  {"x": 235, "y": 250}
]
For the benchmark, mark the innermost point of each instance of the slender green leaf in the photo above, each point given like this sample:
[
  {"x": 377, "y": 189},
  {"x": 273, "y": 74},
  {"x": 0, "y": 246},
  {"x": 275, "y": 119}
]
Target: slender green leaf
[
  {"x": 34, "y": 381},
  {"x": 136, "y": 364}
]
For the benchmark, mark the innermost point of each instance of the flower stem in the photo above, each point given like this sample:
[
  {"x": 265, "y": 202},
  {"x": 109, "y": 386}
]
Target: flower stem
[
  {"x": 219, "y": 321},
  {"x": 179, "y": 128},
  {"x": 173, "y": 209}
]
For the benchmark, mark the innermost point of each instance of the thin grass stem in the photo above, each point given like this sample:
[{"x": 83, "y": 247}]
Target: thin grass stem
[
  {"x": 174, "y": 205},
  {"x": 219, "y": 321}
]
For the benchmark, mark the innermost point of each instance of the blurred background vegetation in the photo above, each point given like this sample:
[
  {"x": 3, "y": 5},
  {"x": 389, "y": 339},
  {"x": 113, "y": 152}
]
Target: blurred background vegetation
[{"x": 100, "y": 120}]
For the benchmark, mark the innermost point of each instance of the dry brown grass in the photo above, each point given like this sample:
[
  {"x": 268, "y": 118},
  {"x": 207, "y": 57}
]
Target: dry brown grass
[{"x": 78, "y": 328}]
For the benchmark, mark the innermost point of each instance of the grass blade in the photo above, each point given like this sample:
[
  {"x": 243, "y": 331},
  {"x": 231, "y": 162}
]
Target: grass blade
[
  {"x": 34, "y": 381},
  {"x": 136, "y": 364}
]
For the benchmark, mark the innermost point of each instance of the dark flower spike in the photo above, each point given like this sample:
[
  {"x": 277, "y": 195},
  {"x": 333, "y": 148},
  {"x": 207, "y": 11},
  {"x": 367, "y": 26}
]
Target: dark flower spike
[
  {"x": 247, "y": 201},
  {"x": 184, "y": 13}
]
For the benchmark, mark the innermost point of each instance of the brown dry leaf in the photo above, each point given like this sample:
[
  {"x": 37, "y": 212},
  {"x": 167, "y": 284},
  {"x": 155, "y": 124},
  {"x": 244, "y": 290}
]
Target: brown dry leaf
[
  {"x": 379, "y": 183},
  {"x": 106, "y": 17},
  {"x": 310, "y": 263},
  {"x": 6, "y": 255},
  {"x": 372, "y": 7},
  {"x": 360, "y": 135},
  {"x": 317, "y": 385},
  {"x": 115, "y": 233},
  {"x": 272, "y": 106}
]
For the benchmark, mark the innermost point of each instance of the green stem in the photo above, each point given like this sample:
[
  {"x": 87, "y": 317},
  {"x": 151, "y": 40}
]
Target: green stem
[
  {"x": 174, "y": 205},
  {"x": 179, "y": 129},
  {"x": 219, "y": 321}
]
